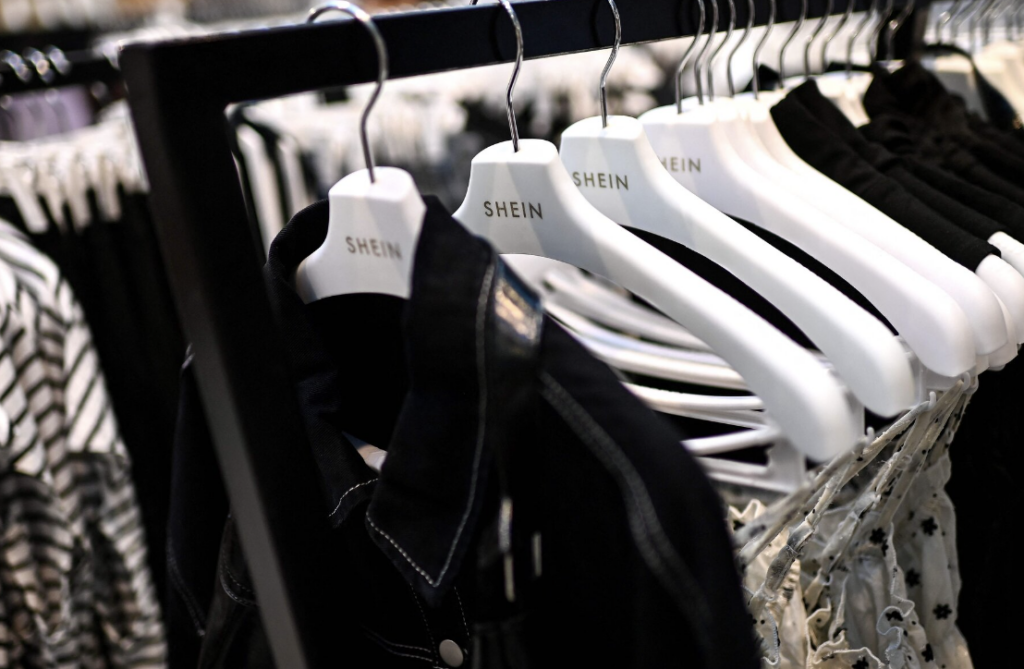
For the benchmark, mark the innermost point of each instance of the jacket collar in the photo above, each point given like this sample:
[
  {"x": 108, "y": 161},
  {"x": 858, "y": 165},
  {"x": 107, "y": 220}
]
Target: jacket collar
[{"x": 425, "y": 504}]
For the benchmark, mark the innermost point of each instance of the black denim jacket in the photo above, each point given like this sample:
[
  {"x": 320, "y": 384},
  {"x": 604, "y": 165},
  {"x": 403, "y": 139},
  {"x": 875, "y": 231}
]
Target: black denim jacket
[{"x": 619, "y": 555}]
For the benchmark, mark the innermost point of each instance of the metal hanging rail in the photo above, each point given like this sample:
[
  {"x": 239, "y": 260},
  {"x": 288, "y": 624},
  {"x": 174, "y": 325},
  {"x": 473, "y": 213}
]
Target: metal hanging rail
[{"x": 178, "y": 92}]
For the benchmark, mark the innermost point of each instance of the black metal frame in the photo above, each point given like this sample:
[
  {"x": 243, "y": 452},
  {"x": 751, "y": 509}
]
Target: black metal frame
[{"x": 178, "y": 92}]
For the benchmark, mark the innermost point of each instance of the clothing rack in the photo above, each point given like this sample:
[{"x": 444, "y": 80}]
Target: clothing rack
[{"x": 178, "y": 92}]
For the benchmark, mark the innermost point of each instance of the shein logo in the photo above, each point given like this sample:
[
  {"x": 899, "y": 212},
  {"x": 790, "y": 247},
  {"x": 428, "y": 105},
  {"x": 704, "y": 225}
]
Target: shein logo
[
  {"x": 512, "y": 209},
  {"x": 677, "y": 164},
  {"x": 600, "y": 180}
]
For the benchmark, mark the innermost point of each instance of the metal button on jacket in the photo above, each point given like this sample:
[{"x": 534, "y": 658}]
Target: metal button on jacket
[{"x": 451, "y": 653}]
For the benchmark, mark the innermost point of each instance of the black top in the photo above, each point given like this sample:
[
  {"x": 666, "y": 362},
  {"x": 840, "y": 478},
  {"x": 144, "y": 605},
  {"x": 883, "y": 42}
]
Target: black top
[
  {"x": 917, "y": 96},
  {"x": 943, "y": 193},
  {"x": 829, "y": 154},
  {"x": 475, "y": 394}
]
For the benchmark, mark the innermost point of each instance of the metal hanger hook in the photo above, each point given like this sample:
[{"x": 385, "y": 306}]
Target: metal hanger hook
[
  {"x": 868, "y": 15},
  {"x": 760, "y": 45},
  {"x": 360, "y": 15},
  {"x": 832, "y": 35},
  {"x": 603, "y": 89},
  {"x": 894, "y": 27},
  {"x": 512, "y": 125},
  {"x": 702, "y": 58},
  {"x": 792, "y": 34},
  {"x": 732, "y": 54},
  {"x": 718, "y": 49},
  {"x": 686, "y": 58},
  {"x": 945, "y": 18},
  {"x": 814, "y": 35},
  {"x": 876, "y": 34}
]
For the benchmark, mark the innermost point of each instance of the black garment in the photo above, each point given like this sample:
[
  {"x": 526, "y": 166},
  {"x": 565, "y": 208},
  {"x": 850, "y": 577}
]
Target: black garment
[
  {"x": 894, "y": 133},
  {"x": 631, "y": 537},
  {"x": 984, "y": 490},
  {"x": 748, "y": 295},
  {"x": 941, "y": 192},
  {"x": 917, "y": 96},
  {"x": 827, "y": 153}
]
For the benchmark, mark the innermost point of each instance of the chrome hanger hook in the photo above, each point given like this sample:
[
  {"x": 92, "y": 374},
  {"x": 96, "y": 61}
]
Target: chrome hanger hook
[
  {"x": 702, "y": 59},
  {"x": 382, "y": 68},
  {"x": 686, "y": 58},
  {"x": 876, "y": 34},
  {"x": 832, "y": 35},
  {"x": 894, "y": 27},
  {"x": 732, "y": 54},
  {"x": 868, "y": 15},
  {"x": 718, "y": 49},
  {"x": 603, "y": 90},
  {"x": 756, "y": 82},
  {"x": 945, "y": 18},
  {"x": 512, "y": 125},
  {"x": 814, "y": 35},
  {"x": 792, "y": 34}
]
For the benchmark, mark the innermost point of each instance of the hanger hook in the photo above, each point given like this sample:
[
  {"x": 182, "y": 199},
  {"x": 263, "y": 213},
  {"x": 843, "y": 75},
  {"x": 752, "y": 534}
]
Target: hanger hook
[
  {"x": 945, "y": 17},
  {"x": 512, "y": 125},
  {"x": 868, "y": 15},
  {"x": 382, "y": 67},
  {"x": 732, "y": 54},
  {"x": 792, "y": 34},
  {"x": 686, "y": 58},
  {"x": 760, "y": 45},
  {"x": 702, "y": 58},
  {"x": 814, "y": 35},
  {"x": 963, "y": 16},
  {"x": 876, "y": 34},
  {"x": 718, "y": 49},
  {"x": 832, "y": 35},
  {"x": 894, "y": 27},
  {"x": 603, "y": 91}
]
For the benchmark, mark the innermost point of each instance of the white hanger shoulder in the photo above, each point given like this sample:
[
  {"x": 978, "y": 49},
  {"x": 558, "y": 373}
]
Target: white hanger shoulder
[
  {"x": 525, "y": 202},
  {"x": 371, "y": 238},
  {"x": 620, "y": 174},
  {"x": 733, "y": 185},
  {"x": 974, "y": 298}
]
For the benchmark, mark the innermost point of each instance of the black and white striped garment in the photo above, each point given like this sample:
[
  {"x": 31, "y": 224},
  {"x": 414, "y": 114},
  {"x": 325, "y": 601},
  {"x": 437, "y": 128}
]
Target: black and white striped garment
[{"x": 75, "y": 589}]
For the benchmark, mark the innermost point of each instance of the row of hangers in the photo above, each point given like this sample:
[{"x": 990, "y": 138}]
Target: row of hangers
[{"x": 951, "y": 322}]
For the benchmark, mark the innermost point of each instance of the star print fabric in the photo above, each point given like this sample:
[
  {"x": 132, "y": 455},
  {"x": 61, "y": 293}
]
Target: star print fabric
[{"x": 869, "y": 578}]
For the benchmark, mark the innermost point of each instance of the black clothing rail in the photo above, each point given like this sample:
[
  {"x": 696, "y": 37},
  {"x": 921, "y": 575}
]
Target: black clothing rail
[{"x": 178, "y": 92}]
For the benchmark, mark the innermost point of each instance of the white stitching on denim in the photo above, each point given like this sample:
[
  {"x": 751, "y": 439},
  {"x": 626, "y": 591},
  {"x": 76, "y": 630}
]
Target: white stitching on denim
[
  {"x": 426, "y": 623},
  {"x": 394, "y": 643},
  {"x": 237, "y": 598},
  {"x": 481, "y": 314},
  {"x": 341, "y": 499},
  {"x": 660, "y": 549},
  {"x": 383, "y": 643},
  {"x": 244, "y": 588},
  {"x": 463, "y": 612},
  {"x": 194, "y": 610}
]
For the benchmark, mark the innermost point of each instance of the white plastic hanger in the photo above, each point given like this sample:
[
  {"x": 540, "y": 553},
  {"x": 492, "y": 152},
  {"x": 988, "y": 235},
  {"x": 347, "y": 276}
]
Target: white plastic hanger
[
  {"x": 375, "y": 215},
  {"x": 619, "y": 173},
  {"x": 727, "y": 181},
  {"x": 986, "y": 315},
  {"x": 567, "y": 287},
  {"x": 971, "y": 294},
  {"x": 523, "y": 200},
  {"x": 774, "y": 158},
  {"x": 742, "y": 120}
]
